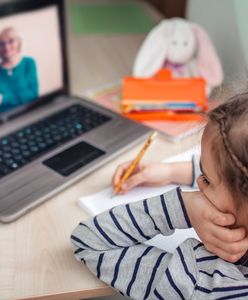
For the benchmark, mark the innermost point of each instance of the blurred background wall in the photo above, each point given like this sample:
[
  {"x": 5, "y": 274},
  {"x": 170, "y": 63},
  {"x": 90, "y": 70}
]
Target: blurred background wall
[{"x": 226, "y": 22}]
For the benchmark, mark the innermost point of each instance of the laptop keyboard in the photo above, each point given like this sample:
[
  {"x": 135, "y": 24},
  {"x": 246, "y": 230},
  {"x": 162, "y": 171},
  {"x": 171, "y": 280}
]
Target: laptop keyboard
[{"x": 28, "y": 143}]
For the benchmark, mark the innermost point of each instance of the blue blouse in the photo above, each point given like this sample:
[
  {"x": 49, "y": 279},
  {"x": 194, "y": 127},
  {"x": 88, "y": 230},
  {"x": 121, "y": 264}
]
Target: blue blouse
[{"x": 18, "y": 85}]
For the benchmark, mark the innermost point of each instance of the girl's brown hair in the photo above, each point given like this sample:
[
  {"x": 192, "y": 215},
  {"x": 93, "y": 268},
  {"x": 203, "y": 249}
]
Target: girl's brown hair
[{"x": 231, "y": 147}]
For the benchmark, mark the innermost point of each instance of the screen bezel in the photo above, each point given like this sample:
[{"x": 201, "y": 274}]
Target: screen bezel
[{"x": 15, "y": 7}]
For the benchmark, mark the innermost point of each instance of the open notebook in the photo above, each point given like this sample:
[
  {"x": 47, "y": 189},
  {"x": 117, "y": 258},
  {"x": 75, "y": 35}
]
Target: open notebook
[{"x": 96, "y": 203}]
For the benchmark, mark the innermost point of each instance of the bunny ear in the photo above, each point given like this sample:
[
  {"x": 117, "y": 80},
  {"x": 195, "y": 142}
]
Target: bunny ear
[
  {"x": 207, "y": 59},
  {"x": 153, "y": 51}
]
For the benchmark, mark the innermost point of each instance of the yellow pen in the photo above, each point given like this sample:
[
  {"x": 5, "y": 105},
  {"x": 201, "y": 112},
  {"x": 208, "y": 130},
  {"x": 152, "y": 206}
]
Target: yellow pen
[{"x": 134, "y": 163}]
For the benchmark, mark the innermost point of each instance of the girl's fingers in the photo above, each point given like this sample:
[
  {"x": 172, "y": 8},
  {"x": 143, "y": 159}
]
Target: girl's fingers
[
  {"x": 223, "y": 219},
  {"x": 216, "y": 216},
  {"x": 121, "y": 169},
  {"x": 222, "y": 253},
  {"x": 228, "y": 235},
  {"x": 232, "y": 248},
  {"x": 133, "y": 181},
  {"x": 119, "y": 172}
]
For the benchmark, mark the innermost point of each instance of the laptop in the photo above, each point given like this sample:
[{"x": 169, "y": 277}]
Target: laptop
[{"x": 48, "y": 139}]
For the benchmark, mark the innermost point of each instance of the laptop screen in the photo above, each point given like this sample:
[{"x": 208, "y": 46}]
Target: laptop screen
[{"x": 31, "y": 62}]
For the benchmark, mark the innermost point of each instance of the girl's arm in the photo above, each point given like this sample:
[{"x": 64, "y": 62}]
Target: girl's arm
[{"x": 111, "y": 245}]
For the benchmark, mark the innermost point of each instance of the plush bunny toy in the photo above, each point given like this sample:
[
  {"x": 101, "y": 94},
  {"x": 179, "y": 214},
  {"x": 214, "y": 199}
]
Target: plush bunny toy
[{"x": 184, "y": 48}]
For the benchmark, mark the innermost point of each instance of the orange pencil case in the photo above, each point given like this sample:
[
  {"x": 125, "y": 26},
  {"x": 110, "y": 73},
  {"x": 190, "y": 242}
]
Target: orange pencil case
[{"x": 163, "y": 98}]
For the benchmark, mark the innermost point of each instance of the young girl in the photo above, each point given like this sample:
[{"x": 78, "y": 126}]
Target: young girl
[{"x": 111, "y": 244}]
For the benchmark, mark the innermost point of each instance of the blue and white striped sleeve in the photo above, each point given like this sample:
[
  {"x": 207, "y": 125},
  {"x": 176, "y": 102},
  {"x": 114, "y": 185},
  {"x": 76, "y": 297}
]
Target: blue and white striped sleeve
[{"x": 111, "y": 245}]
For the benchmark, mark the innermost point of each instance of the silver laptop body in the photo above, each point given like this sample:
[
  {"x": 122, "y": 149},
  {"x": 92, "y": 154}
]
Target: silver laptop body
[{"x": 37, "y": 181}]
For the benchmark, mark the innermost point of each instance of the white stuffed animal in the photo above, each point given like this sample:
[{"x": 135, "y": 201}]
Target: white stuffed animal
[{"x": 182, "y": 47}]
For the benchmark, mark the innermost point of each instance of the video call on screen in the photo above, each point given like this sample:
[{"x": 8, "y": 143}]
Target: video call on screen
[{"x": 30, "y": 57}]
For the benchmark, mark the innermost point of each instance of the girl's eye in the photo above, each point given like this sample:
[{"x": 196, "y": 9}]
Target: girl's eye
[{"x": 204, "y": 180}]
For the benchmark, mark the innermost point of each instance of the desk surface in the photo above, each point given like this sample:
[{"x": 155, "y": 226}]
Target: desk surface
[{"x": 36, "y": 259}]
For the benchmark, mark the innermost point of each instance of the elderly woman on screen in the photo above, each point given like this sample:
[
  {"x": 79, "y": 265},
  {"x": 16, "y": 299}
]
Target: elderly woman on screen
[{"x": 18, "y": 74}]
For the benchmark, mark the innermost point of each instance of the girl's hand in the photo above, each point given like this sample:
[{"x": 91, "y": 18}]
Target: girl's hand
[
  {"x": 212, "y": 227},
  {"x": 149, "y": 174},
  {"x": 154, "y": 174}
]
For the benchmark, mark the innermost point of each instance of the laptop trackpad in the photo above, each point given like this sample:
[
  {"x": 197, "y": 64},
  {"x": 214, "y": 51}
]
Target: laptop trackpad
[{"x": 70, "y": 160}]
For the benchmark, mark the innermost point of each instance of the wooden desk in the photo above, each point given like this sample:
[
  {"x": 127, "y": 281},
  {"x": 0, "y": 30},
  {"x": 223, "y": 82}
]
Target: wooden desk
[{"x": 36, "y": 259}]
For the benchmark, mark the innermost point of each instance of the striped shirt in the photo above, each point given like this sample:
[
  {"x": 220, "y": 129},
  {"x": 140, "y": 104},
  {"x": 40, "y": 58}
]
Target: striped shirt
[{"x": 112, "y": 247}]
